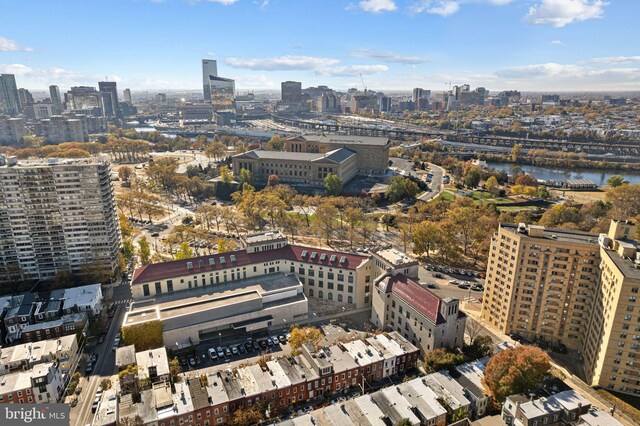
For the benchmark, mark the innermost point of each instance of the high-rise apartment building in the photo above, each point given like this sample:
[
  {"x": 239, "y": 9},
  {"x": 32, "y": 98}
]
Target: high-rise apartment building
[
  {"x": 56, "y": 100},
  {"x": 570, "y": 288},
  {"x": 111, "y": 108},
  {"x": 209, "y": 69},
  {"x": 419, "y": 93},
  {"x": 12, "y": 130},
  {"x": 56, "y": 215},
  {"x": 9, "y": 99},
  {"x": 25, "y": 96},
  {"x": 57, "y": 129}
]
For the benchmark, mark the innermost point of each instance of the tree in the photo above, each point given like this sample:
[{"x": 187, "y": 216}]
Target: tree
[
  {"x": 401, "y": 188},
  {"x": 526, "y": 180},
  {"x": 273, "y": 180},
  {"x": 276, "y": 143},
  {"x": 492, "y": 186},
  {"x": 184, "y": 252},
  {"x": 441, "y": 359},
  {"x": 225, "y": 174},
  {"x": 516, "y": 370},
  {"x": 174, "y": 370},
  {"x": 105, "y": 384},
  {"x": 332, "y": 184},
  {"x": 124, "y": 173},
  {"x": 404, "y": 422},
  {"x": 426, "y": 236},
  {"x": 560, "y": 214},
  {"x": 302, "y": 335},
  {"x": 616, "y": 181},
  {"x": 480, "y": 347},
  {"x": 246, "y": 176},
  {"x": 471, "y": 179},
  {"x": 516, "y": 151},
  {"x": 146, "y": 335},
  {"x": 144, "y": 251},
  {"x": 625, "y": 201},
  {"x": 245, "y": 416}
]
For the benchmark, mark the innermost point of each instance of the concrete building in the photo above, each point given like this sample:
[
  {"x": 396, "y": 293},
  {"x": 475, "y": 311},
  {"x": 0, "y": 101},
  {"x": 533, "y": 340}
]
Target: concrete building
[
  {"x": 57, "y": 129},
  {"x": 222, "y": 91},
  {"x": 365, "y": 102},
  {"x": 127, "y": 96},
  {"x": 402, "y": 305},
  {"x": 328, "y": 103},
  {"x": 196, "y": 111},
  {"x": 25, "y": 97},
  {"x": 571, "y": 288},
  {"x": 56, "y": 215},
  {"x": 56, "y": 99},
  {"x": 71, "y": 324},
  {"x": 207, "y": 311},
  {"x": 12, "y": 130},
  {"x": 209, "y": 69},
  {"x": 9, "y": 100},
  {"x": 110, "y": 89},
  {"x": 372, "y": 152},
  {"x": 470, "y": 376},
  {"x": 395, "y": 262},
  {"x": 301, "y": 168},
  {"x": 63, "y": 350},
  {"x": 562, "y": 408},
  {"x": 291, "y": 92}
]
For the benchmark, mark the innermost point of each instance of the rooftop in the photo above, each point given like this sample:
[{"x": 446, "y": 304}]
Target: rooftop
[
  {"x": 395, "y": 257},
  {"x": 336, "y": 156},
  {"x": 599, "y": 418},
  {"x": 561, "y": 235},
  {"x": 344, "y": 139},
  {"x": 152, "y": 358},
  {"x": 202, "y": 264}
]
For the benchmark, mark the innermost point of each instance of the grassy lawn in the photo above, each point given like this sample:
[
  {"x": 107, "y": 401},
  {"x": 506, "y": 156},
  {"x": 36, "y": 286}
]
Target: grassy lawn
[{"x": 446, "y": 196}]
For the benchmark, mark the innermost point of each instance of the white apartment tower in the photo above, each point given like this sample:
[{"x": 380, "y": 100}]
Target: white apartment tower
[{"x": 55, "y": 215}]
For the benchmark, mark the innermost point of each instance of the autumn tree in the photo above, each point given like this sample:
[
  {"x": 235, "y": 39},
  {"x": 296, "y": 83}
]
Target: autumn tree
[
  {"x": 401, "y": 188},
  {"x": 560, "y": 215},
  {"x": 273, "y": 180},
  {"x": 526, "y": 180},
  {"x": 625, "y": 201},
  {"x": 146, "y": 335},
  {"x": 124, "y": 173},
  {"x": 144, "y": 251},
  {"x": 225, "y": 174},
  {"x": 302, "y": 335},
  {"x": 332, "y": 185},
  {"x": 441, "y": 359},
  {"x": 184, "y": 252},
  {"x": 325, "y": 220},
  {"x": 426, "y": 237},
  {"x": 245, "y": 416},
  {"x": 516, "y": 370},
  {"x": 276, "y": 143},
  {"x": 246, "y": 176},
  {"x": 516, "y": 152}
]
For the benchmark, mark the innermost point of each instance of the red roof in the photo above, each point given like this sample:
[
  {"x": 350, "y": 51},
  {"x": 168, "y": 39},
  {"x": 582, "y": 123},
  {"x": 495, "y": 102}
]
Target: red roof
[
  {"x": 412, "y": 293},
  {"x": 201, "y": 264}
]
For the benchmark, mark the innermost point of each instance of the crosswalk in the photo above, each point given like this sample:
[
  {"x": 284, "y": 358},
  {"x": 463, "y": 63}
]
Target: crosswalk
[{"x": 123, "y": 302}]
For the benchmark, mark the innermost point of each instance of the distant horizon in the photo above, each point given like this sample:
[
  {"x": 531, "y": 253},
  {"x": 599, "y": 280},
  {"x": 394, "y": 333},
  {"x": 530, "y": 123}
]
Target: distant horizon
[{"x": 526, "y": 45}]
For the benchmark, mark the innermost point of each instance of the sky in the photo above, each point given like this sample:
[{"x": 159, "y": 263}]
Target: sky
[{"x": 527, "y": 45}]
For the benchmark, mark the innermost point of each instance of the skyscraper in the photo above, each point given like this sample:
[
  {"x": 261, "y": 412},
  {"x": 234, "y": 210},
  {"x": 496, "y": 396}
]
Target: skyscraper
[
  {"x": 209, "y": 69},
  {"x": 9, "y": 100},
  {"x": 56, "y": 100},
  {"x": 417, "y": 94},
  {"x": 127, "y": 96},
  {"x": 110, "y": 105},
  {"x": 26, "y": 98},
  {"x": 291, "y": 92}
]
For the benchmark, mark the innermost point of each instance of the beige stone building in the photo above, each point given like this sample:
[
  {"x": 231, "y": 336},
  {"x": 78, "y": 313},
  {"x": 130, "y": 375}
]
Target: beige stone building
[
  {"x": 297, "y": 168},
  {"x": 372, "y": 152},
  {"x": 571, "y": 288}
]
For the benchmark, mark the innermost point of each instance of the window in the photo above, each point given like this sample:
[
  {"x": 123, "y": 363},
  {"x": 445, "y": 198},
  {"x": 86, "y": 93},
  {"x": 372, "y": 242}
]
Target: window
[
  {"x": 158, "y": 288},
  {"x": 145, "y": 289}
]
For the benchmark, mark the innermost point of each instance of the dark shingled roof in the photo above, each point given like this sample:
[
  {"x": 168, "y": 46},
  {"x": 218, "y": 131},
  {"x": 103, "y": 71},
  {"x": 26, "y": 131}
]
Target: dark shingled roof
[{"x": 202, "y": 264}]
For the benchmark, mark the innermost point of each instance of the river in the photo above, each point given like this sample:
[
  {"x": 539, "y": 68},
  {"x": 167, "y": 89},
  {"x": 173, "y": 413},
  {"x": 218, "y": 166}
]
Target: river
[{"x": 545, "y": 173}]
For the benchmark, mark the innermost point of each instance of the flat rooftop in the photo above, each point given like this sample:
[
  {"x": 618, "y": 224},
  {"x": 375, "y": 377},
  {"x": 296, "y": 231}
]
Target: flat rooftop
[
  {"x": 626, "y": 266},
  {"x": 555, "y": 234},
  {"x": 395, "y": 257}
]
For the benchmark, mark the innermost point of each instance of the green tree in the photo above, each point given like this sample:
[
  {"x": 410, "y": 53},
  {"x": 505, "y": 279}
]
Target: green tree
[
  {"x": 426, "y": 236},
  {"x": 616, "y": 181},
  {"x": 276, "y": 143},
  {"x": 441, "y": 359},
  {"x": 401, "y": 188},
  {"x": 471, "y": 179},
  {"x": 516, "y": 370},
  {"x": 492, "y": 186},
  {"x": 184, "y": 252},
  {"x": 144, "y": 251},
  {"x": 225, "y": 174},
  {"x": 404, "y": 422},
  {"x": 332, "y": 185}
]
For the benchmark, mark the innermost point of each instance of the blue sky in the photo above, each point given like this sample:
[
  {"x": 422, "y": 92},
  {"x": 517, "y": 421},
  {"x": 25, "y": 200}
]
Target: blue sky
[{"x": 395, "y": 44}]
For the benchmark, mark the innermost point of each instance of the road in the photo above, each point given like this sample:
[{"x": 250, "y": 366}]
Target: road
[
  {"x": 436, "y": 186},
  {"x": 105, "y": 367}
]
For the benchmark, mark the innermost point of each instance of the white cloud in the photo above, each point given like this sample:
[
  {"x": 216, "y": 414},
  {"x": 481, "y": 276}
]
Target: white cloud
[
  {"x": 223, "y": 2},
  {"x": 557, "y": 43},
  {"x": 17, "y": 69},
  {"x": 563, "y": 12},
  {"x": 615, "y": 59},
  {"x": 54, "y": 75},
  {"x": 540, "y": 70},
  {"x": 255, "y": 81},
  {"x": 377, "y": 6},
  {"x": 282, "y": 63},
  {"x": 387, "y": 56},
  {"x": 8, "y": 45},
  {"x": 351, "y": 71},
  {"x": 449, "y": 7}
]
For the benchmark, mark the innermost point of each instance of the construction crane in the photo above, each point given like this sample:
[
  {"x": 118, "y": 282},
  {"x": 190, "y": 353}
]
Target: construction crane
[
  {"x": 449, "y": 85},
  {"x": 363, "y": 85}
]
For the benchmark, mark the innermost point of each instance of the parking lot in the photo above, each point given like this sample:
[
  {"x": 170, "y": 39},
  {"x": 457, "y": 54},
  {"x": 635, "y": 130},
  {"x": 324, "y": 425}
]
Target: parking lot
[
  {"x": 231, "y": 352},
  {"x": 437, "y": 279}
]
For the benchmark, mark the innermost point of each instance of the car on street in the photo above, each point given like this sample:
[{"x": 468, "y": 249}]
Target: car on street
[
  {"x": 463, "y": 286},
  {"x": 477, "y": 287},
  {"x": 94, "y": 357},
  {"x": 431, "y": 285},
  {"x": 438, "y": 275},
  {"x": 88, "y": 369}
]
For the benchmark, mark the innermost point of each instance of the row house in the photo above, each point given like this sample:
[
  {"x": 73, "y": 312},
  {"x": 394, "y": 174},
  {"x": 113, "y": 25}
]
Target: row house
[
  {"x": 23, "y": 357},
  {"x": 41, "y": 384}
]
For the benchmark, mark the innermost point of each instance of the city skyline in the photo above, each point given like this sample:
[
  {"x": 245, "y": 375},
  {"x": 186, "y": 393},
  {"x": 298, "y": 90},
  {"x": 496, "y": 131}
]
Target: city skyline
[{"x": 535, "y": 45}]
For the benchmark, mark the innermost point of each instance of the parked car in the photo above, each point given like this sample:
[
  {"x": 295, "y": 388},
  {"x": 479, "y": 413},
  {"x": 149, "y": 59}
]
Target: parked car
[
  {"x": 463, "y": 286},
  {"x": 269, "y": 341},
  {"x": 477, "y": 287},
  {"x": 248, "y": 346},
  {"x": 227, "y": 351},
  {"x": 263, "y": 344},
  {"x": 213, "y": 354},
  {"x": 456, "y": 282},
  {"x": 192, "y": 361},
  {"x": 438, "y": 275},
  {"x": 431, "y": 285},
  {"x": 234, "y": 350},
  {"x": 282, "y": 339},
  {"x": 275, "y": 340},
  {"x": 256, "y": 345},
  {"x": 220, "y": 352}
]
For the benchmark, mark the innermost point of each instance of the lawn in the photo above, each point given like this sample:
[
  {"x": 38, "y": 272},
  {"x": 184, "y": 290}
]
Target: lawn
[{"x": 625, "y": 403}]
